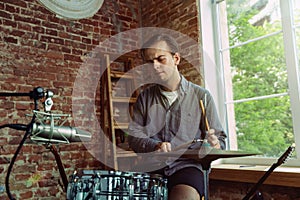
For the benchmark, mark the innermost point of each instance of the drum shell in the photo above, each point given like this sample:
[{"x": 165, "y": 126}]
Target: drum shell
[{"x": 116, "y": 185}]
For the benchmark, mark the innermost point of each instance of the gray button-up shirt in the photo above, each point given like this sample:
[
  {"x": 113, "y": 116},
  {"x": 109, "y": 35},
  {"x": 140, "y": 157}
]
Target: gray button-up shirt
[{"x": 155, "y": 121}]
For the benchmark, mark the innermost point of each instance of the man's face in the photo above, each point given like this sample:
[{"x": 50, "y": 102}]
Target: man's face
[{"x": 164, "y": 64}]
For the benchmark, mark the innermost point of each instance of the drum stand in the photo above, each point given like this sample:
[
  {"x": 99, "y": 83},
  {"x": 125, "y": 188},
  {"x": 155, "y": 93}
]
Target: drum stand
[
  {"x": 206, "y": 159},
  {"x": 205, "y": 170},
  {"x": 204, "y": 156},
  {"x": 205, "y": 163}
]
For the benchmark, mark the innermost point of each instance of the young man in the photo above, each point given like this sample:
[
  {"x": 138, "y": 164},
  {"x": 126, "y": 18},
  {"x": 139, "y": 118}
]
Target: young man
[{"x": 168, "y": 114}]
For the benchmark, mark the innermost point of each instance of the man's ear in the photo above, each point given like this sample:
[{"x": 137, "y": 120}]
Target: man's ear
[{"x": 177, "y": 58}]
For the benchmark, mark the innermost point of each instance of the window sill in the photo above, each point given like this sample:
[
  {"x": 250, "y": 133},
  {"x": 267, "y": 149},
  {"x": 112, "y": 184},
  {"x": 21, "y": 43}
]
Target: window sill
[{"x": 281, "y": 176}]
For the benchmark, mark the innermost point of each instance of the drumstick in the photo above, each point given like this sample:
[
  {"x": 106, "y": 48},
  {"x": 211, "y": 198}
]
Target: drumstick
[{"x": 204, "y": 115}]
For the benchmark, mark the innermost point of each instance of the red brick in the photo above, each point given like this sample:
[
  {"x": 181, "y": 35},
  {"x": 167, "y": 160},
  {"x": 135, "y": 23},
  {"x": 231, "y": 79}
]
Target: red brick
[
  {"x": 10, "y": 40},
  {"x": 41, "y": 193},
  {"x": 45, "y": 167},
  {"x": 26, "y": 195},
  {"x": 27, "y": 19},
  {"x": 70, "y": 57},
  {"x": 52, "y": 25},
  {"x": 3, "y": 160},
  {"x": 14, "y": 140},
  {"x": 34, "y": 158},
  {"x": 23, "y": 26},
  {"x": 28, "y": 168},
  {"x": 48, "y": 183},
  {"x": 63, "y": 34},
  {"x": 7, "y": 105},
  {"x": 51, "y": 32},
  {"x": 5, "y": 14},
  {"x": 17, "y": 33},
  {"x": 22, "y": 106},
  {"x": 50, "y": 39},
  {"x": 16, "y": 3},
  {"x": 38, "y": 29},
  {"x": 17, "y": 186},
  {"x": 87, "y": 40},
  {"x": 22, "y": 177}
]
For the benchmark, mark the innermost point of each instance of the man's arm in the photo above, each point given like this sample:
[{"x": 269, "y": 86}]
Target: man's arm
[{"x": 138, "y": 139}]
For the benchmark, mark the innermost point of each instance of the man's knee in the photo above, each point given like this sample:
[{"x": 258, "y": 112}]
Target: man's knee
[{"x": 183, "y": 192}]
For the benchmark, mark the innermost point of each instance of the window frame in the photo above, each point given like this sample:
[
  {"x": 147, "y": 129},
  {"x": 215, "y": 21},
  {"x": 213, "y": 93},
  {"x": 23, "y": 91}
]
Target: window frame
[{"x": 213, "y": 65}]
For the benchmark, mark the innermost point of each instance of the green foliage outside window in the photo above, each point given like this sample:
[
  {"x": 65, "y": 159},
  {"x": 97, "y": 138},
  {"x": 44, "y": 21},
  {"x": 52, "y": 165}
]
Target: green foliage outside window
[{"x": 258, "y": 69}]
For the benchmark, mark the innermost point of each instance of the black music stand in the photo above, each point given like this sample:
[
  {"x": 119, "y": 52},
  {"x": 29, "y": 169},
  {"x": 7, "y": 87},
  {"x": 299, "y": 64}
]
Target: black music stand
[{"x": 204, "y": 156}]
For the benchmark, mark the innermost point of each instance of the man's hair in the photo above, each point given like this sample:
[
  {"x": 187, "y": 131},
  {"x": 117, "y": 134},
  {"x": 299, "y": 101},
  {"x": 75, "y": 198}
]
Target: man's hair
[{"x": 170, "y": 41}]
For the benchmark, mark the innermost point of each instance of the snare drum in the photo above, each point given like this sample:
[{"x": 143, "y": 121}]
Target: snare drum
[{"x": 116, "y": 185}]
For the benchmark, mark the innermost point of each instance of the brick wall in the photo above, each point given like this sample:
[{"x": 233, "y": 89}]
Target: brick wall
[{"x": 39, "y": 49}]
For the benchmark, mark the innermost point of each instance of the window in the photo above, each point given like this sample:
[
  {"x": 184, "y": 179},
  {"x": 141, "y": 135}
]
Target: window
[{"x": 255, "y": 79}]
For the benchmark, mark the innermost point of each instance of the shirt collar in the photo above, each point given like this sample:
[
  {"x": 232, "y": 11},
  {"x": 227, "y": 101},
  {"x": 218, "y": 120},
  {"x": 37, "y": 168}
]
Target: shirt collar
[{"x": 183, "y": 86}]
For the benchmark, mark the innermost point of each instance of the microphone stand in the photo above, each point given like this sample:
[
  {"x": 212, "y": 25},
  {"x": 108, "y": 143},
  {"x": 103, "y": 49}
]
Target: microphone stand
[
  {"x": 36, "y": 94},
  {"x": 60, "y": 165},
  {"x": 280, "y": 161}
]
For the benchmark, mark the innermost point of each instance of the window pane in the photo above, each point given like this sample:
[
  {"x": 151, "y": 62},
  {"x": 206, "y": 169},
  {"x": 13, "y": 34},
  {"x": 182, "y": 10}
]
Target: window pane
[
  {"x": 297, "y": 24},
  {"x": 259, "y": 68},
  {"x": 296, "y": 9},
  {"x": 256, "y": 63},
  {"x": 264, "y": 126},
  {"x": 298, "y": 43},
  {"x": 243, "y": 15}
]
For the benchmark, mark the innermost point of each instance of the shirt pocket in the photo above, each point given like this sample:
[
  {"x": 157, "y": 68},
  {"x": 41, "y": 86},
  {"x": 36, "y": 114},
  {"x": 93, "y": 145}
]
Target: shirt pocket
[
  {"x": 184, "y": 126},
  {"x": 155, "y": 122}
]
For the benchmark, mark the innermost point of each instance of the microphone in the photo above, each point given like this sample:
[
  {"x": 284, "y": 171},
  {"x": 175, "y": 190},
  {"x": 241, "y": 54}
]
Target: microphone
[
  {"x": 58, "y": 134},
  {"x": 41, "y": 132}
]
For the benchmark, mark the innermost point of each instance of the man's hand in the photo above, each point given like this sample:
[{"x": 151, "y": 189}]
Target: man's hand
[
  {"x": 163, "y": 147},
  {"x": 213, "y": 139}
]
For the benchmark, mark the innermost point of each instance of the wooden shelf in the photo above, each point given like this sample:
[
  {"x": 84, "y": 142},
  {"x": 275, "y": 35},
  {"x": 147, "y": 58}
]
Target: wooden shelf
[
  {"x": 118, "y": 74},
  {"x": 124, "y": 154},
  {"x": 282, "y": 176},
  {"x": 117, "y": 102},
  {"x": 121, "y": 125},
  {"x": 123, "y": 99}
]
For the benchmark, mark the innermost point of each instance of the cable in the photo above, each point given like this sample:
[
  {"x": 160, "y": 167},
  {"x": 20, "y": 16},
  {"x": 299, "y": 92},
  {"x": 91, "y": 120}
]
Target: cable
[
  {"x": 28, "y": 131},
  {"x": 20, "y": 127}
]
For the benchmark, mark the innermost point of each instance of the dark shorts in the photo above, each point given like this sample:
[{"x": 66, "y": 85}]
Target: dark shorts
[{"x": 189, "y": 176}]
